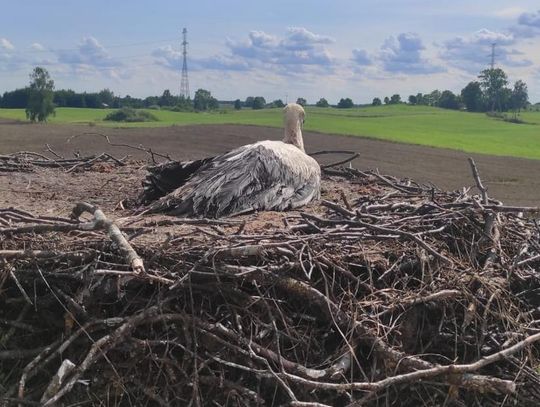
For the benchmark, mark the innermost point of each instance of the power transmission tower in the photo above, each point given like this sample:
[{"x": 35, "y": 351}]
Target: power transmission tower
[
  {"x": 493, "y": 55},
  {"x": 184, "y": 83}
]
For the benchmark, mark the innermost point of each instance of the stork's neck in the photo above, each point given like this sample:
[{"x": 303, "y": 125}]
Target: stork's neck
[{"x": 293, "y": 134}]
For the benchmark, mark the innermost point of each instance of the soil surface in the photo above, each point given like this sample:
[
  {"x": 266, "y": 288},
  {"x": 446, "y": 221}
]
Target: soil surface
[{"x": 511, "y": 180}]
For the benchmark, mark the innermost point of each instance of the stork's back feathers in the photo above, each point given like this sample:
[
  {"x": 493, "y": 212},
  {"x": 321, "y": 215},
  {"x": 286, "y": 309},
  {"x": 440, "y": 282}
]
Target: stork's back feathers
[{"x": 269, "y": 175}]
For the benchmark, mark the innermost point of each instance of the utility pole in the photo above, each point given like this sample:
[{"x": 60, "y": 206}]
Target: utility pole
[{"x": 184, "y": 83}]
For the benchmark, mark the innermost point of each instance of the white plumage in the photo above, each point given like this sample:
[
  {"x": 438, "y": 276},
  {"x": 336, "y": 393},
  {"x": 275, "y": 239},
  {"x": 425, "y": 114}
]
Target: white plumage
[{"x": 267, "y": 175}]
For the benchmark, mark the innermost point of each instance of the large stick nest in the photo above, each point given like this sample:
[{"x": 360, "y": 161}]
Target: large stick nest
[{"x": 386, "y": 292}]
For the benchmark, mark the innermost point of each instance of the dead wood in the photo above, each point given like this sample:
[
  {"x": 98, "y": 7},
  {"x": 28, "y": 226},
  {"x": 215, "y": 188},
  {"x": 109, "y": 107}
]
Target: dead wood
[{"x": 386, "y": 293}]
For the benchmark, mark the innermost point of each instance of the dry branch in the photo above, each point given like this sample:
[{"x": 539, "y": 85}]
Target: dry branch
[{"x": 389, "y": 291}]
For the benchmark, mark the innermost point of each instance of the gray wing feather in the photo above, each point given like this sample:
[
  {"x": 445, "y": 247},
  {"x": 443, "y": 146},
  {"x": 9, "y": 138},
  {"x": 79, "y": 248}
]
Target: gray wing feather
[{"x": 246, "y": 179}]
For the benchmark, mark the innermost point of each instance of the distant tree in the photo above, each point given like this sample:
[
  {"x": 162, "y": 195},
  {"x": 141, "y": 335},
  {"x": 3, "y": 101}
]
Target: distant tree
[
  {"x": 278, "y": 103},
  {"x": 17, "y": 98},
  {"x": 386, "y": 100},
  {"x": 493, "y": 81},
  {"x": 506, "y": 99},
  {"x": 395, "y": 99},
  {"x": 204, "y": 100},
  {"x": 346, "y": 103},
  {"x": 40, "y": 100},
  {"x": 238, "y": 104},
  {"x": 167, "y": 99},
  {"x": 184, "y": 104},
  {"x": 420, "y": 99},
  {"x": 433, "y": 98},
  {"x": 301, "y": 101},
  {"x": 413, "y": 100},
  {"x": 148, "y": 101},
  {"x": 106, "y": 98},
  {"x": 376, "y": 102},
  {"x": 520, "y": 97},
  {"x": 91, "y": 100},
  {"x": 448, "y": 100},
  {"x": 258, "y": 103},
  {"x": 249, "y": 101},
  {"x": 472, "y": 97},
  {"x": 322, "y": 103}
]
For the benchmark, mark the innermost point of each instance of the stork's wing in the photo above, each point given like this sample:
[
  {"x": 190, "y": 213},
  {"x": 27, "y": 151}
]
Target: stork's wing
[
  {"x": 254, "y": 177},
  {"x": 165, "y": 178}
]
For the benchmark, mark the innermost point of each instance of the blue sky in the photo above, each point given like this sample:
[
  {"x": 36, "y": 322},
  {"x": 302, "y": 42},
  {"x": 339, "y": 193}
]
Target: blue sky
[{"x": 277, "y": 49}]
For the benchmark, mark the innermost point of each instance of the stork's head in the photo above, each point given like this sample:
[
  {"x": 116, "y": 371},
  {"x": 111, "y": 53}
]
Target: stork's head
[{"x": 293, "y": 117}]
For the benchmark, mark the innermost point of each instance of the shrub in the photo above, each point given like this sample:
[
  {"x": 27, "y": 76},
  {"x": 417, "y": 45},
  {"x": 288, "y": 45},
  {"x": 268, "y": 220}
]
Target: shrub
[{"x": 129, "y": 115}]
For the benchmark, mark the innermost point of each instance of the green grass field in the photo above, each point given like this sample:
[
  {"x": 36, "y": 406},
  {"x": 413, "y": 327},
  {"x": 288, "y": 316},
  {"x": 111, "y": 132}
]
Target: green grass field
[{"x": 470, "y": 132}]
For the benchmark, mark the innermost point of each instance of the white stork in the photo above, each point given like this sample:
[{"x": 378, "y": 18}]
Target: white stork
[{"x": 267, "y": 175}]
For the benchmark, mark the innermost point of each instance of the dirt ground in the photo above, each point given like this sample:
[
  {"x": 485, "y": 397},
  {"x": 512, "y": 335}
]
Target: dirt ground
[{"x": 512, "y": 180}]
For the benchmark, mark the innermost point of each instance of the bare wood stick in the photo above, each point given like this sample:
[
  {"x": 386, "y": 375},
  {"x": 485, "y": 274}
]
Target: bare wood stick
[
  {"x": 101, "y": 222},
  {"x": 478, "y": 181}
]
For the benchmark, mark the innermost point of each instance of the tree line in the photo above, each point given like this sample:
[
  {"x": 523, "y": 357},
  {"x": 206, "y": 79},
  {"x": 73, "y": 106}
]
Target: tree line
[{"x": 490, "y": 93}]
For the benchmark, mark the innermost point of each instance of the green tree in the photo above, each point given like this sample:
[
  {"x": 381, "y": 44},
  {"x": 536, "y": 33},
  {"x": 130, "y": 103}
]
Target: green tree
[
  {"x": 376, "y": 102},
  {"x": 167, "y": 99},
  {"x": 395, "y": 99},
  {"x": 322, "y": 103},
  {"x": 278, "y": 103},
  {"x": 413, "y": 100},
  {"x": 433, "y": 98},
  {"x": 106, "y": 97},
  {"x": 420, "y": 99},
  {"x": 258, "y": 103},
  {"x": 493, "y": 81},
  {"x": 204, "y": 100},
  {"x": 301, "y": 101},
  {"x": 472, "y": 97},
  {"x": 346, "y": 103},
  {"x": 40, "y": 100},
  {"x": 386, "y": 100},
  {"x": 238, "y": 104},
  {"x": 17, "y": 98},
  {"x": 249, "y": 101},
  {"x": 520, "y": 97},
  {"x": 448, "y": 100}
]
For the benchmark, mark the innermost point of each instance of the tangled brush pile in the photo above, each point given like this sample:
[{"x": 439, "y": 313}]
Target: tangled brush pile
[{"x": 386, "y": 292}]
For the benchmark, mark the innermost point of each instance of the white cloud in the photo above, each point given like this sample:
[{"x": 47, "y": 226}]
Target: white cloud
[
  {"x": 361, "y": 57},
  {"x": 6, "y": 45},
  {"x": 298, "y": 47},
  {"x": 36, "y": 46},
  {"x": 403, "y": 55},
  {"x": 90, "y": 53},
  {"x": 472, "y": 53},
  {"x": 528, "y": 25}
]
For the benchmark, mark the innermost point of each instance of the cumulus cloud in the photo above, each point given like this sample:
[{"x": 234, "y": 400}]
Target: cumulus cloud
[
  {"x": 168, "y": 57},
  {"x": 6, "y": 45},
  {"x": 472, "y": 53},
  {"x": 90, "y": 53},
  {"x": 403, "y": 55},
  {"x": 528, "y": 25},
  {"x": 361, "y": 57},
  {"x": 299, "y": 47},
  {"x": 36, "y": 46}
]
